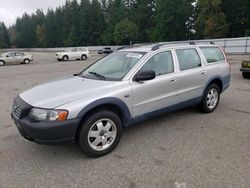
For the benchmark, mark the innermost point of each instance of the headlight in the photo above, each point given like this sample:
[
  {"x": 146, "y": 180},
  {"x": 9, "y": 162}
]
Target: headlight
[{"x": 48, "y": 115}]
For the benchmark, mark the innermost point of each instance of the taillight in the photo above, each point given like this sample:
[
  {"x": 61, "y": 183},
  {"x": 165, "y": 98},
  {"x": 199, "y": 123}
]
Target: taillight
[{"x": 225, "y": 56}]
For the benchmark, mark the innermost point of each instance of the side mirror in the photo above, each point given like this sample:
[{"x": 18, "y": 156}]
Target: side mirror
[{"x": 145, "y": 75}]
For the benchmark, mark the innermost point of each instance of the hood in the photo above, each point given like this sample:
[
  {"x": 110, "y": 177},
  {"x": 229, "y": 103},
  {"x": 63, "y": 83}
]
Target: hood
[{"x": 56, "y": 93}]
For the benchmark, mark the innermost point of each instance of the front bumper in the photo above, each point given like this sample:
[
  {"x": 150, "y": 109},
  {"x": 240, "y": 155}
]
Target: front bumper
[
  {"x": 44, "y": 131},
  {"x": 245, "y": 69}
]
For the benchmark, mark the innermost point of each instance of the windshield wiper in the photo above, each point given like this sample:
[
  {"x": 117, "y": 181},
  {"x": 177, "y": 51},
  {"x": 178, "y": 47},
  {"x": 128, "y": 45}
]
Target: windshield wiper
[{"x": 97, "y": 75}]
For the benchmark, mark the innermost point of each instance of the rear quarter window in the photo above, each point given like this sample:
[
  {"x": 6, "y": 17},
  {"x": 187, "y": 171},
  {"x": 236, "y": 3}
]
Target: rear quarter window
[{"x": 212, "y": 54}]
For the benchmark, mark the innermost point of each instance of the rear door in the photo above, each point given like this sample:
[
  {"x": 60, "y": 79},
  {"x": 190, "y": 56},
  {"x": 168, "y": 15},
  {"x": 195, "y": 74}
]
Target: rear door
[
  {"x": 192, "y": 75},
  {"x": 156, "y": 94},
  {"x": 19, "y": 57},
  {"x": 78, "y": 53}
]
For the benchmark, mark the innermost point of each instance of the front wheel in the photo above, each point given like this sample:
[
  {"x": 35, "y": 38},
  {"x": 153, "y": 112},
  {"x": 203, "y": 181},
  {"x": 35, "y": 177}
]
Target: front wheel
[
  {"x": 210, "y": 99},
  {"x": 100, "y": 133},
  {"x": 2, "y": 63},
  {"x": 65, "y": 58},
  {"x": 246, "y": 74},
  {"x": 26, "y": 61}
]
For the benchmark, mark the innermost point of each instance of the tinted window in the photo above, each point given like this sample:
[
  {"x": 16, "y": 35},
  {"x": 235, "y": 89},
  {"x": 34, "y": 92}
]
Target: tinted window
[
  {"x": 73, "y": 49},
  {"x": 19, "y": 54},
  {"x": 212, "y": 54},
  {"x": 188, "y": 58},
  {"x": 80, "y": 49},
  {"x": 12, "y": 54},
  {"x": 161, "y": 63}
]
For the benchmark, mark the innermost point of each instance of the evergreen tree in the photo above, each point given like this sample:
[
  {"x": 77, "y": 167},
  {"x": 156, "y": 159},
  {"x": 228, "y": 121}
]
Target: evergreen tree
[
  {"x": 237, "y": 14},
  {"x": 171, "y": 20},
  {"x": 211, "y": 21},
  {"x": 97, "y": 23},
  {"x": 125, "y": 32},
  {"x": 84, "y": 25},
  {"x": 50, "y": 28},
  {"x": 4, "y": 36},
  {"x": 142, "y": 14},
  {"x": 40, "y": 35},
  {"x": 25, "y": 31}
]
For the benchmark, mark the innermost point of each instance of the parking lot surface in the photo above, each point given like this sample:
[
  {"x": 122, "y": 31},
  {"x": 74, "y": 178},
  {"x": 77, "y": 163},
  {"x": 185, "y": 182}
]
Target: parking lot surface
[{"x": 181, "y": 149}]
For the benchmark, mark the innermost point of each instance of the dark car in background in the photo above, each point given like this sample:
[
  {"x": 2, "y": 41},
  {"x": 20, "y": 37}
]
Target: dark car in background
[
  {"x": 245, "y": 69},
  {"x": 105, "y": 50}
]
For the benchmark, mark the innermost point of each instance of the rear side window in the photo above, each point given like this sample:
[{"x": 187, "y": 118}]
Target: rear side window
[
  {"x": 212, "y": 54},
  {"x": 188, "y": 59}
]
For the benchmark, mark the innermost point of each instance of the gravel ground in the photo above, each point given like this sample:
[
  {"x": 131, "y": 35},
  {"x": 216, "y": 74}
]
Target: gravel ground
[{"x": 181, "y": 149}]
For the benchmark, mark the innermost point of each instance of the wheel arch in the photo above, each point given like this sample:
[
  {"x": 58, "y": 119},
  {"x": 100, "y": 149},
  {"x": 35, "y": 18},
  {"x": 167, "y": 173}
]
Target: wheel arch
[
  {"x": 113, "y": 104},
  {"x": 214, "y": 80},
  {"x": 65, "y": 55}
]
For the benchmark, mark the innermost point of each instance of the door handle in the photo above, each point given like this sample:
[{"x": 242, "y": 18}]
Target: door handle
[{"x": 173, "y": 80}]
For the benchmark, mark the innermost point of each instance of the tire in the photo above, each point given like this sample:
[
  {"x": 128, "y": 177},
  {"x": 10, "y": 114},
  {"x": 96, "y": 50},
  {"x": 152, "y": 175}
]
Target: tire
[
  {"x": 26, "y": 61},
  {"x": 83, "y": 57},
  {"x": 210, "y": 99},
  {"x": 245, "y": 74},
  {"x": 65, "y": 58},
  {"x": 94, "y": 138},
  {"x": 2, "y": 63}
]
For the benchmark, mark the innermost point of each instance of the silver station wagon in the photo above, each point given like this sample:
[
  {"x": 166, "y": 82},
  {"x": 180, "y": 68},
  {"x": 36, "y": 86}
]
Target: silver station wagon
[{"x": 127, "y": 86}]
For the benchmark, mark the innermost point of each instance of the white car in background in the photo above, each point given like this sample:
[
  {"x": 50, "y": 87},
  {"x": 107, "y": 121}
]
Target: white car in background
[
  {"x": 15, "y": 57},
  {"x": 79, "y": 53}
]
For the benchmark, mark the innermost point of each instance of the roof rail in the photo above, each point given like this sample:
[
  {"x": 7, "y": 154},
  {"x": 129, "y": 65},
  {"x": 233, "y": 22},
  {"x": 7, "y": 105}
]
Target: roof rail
[
  {"x": 124, "y": 47},
  {"x": 157, "y": 46}
]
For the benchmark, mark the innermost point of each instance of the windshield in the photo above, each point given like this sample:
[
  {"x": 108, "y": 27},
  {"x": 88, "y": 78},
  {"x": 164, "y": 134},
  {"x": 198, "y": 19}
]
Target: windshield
[
  {"x": 113, "y": 67},
  {"x": 3, "y": 55}
]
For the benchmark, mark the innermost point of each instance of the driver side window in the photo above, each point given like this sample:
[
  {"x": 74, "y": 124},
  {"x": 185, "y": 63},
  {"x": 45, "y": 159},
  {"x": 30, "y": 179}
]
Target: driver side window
[{"x": 161, "y": 63}]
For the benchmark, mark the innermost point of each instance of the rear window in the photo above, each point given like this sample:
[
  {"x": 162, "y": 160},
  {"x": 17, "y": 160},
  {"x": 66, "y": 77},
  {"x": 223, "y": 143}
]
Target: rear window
[{"x": 212, "y": 54}]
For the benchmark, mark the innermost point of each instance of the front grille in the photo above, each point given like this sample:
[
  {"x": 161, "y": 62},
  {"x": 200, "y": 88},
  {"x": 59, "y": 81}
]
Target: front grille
[
  {"x": 20, "y": 108},
  {"x": 17, "y": 111}
]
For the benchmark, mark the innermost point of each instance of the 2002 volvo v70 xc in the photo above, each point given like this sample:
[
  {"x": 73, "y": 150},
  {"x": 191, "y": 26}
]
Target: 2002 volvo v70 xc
[{"x": 124, "y": 87}]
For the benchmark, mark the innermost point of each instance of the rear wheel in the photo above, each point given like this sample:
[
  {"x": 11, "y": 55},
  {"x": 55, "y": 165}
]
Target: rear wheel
[
  {"x": 2, "y": 63},
  {"x": 83, "y": 57},
  {"x": 100, "y": 133},
  {"x": 65, "y": 58},
  {"x": 210, "y": 99},
  {"x": 246, "y": 74}
]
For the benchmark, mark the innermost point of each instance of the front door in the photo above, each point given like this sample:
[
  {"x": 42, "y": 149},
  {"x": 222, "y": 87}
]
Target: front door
[
  {"x": 156, "y": 94},
  {"x": 10, "y": 58}
]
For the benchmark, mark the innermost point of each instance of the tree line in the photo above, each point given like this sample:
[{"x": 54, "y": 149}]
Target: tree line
[{"x": 108, "y": 22}]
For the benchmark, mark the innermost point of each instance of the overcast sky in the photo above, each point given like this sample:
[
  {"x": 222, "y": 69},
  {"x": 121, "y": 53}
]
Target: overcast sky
[{"x": 11, "y": 9}]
